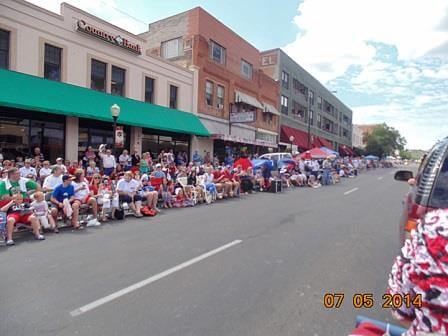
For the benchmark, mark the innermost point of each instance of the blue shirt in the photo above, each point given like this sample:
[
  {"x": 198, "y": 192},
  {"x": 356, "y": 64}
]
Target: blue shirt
[
  {"x": 159, "y": 174},
  {"x": 61, "y": 192}
]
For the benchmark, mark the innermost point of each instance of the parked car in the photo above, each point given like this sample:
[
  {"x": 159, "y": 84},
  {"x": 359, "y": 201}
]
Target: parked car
[
  {"x": 274, "y": 160},
  {"x": 428, "y": 189}
]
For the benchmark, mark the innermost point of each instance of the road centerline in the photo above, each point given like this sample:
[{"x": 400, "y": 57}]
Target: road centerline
[
  {"x": 154, "y": 278},
  {"x": 350, "y": 191}
]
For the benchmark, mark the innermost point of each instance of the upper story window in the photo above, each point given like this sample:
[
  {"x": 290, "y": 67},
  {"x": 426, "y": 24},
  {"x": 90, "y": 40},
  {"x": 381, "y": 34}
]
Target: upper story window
[
  {"x": 209, "y": 93},
  {"x": 284, "y": 104},
  {"x": 311, "y": 117},
  {"x": 217, "y": 52},
  {"x": 173, "y": 96},
  {"x": 98, "y": 71},
  {"x": 220, "y": 96},
  {"x": 246, "y": 69},
  {"x": 311, "y": 94},
  {"x": 4, "y": 49},
  {"x": 118, "y": 81},
  {"x": 172, "y": 48},
  {"x": 285, "y": 80},
  {"x": 149, "y": 90},
  {"x": 319, "y": 103},
  {"x": 319, "y": 121},
  {"x": 52, "y": 62}
]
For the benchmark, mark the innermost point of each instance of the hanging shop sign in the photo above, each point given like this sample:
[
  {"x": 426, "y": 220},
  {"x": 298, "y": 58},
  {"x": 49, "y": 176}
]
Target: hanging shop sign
[
  {"x": 117, "y": 40},
  {"x": 242, "y": 117},
  {"x": 119, "y": 137}
]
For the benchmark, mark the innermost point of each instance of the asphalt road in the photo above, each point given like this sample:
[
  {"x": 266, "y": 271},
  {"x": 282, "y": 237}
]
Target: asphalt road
[{"x": 286, "y": 251}]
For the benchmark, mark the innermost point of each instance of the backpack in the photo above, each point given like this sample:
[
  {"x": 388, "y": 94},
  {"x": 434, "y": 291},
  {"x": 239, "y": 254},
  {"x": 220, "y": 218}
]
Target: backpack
[
  {"x": 146, "y": 211},
  {"x": 119, "y": 213}
]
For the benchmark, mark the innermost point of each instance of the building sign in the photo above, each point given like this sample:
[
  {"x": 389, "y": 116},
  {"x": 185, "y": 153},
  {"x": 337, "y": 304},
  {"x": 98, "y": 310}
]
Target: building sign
[
  {"x": 266, "y": 138},
  {"x": 119, "y": 137},
  {"x": 242, "y": 114},
  {"x": 242, "y": 117},
  {"x": 117, "y": 40}
]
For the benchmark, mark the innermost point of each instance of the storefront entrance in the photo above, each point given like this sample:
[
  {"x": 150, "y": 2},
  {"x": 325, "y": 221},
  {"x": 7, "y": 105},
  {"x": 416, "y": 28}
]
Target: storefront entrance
[
  {"x": 154, "y": 141},
  {"x": 95, "y": 133},
  {"x": 21, "y": 131}
]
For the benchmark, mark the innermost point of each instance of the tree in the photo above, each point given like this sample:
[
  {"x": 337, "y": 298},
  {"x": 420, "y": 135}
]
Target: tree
[{"x": 384, "y": 140}]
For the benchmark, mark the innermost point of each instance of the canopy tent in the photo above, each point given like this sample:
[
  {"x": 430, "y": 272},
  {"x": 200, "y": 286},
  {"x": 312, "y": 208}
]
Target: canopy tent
[
  {"x": 33, "y": 93},
  {"x": 330, "y": 151},
  {"x": 371, "y": 157},
  {"x": 315, "y": 153}
]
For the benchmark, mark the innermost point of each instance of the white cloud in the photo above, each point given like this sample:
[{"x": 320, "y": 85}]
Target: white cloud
[
  {"x": 104, "y": 9},
  {"x": 336, "y": 34}
]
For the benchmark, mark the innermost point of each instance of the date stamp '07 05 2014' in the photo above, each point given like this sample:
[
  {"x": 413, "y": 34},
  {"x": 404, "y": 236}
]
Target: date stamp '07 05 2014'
[{"x": 363, "y": 300}]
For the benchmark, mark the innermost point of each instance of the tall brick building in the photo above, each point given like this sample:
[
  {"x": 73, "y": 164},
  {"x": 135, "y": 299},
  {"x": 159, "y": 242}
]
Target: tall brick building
[{"x": 231, "y": 86}]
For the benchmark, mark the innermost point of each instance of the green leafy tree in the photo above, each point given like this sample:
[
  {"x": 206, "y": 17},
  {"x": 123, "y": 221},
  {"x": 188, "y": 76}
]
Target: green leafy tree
[{"x": 384, "y": 140}]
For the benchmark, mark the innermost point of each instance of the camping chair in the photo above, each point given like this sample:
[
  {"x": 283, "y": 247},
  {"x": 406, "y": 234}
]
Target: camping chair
[{"x": 209, "y": 196}]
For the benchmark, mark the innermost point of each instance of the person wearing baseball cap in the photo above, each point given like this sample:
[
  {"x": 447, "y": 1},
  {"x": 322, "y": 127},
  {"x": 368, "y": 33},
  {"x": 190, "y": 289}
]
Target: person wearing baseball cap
[{"x": 65, "y": 191}]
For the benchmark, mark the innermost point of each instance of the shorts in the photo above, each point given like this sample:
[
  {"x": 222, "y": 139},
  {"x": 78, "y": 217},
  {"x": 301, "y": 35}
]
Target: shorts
[
  {"x": 128, "y": 199},
  {"x": 108, "y": 171},
  {"x": 18, "y": 218},
  {"x": 84, "y": 201}
]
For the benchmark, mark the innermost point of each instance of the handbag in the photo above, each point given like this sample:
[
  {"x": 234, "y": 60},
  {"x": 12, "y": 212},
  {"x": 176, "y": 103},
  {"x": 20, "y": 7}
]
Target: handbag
[{"x": 146, "y": 211}]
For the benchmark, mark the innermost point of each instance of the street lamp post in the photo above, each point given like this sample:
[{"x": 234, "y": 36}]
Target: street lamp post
[
  {"x": 115, "y": 113},
  {"x": 291, "y": 140}
]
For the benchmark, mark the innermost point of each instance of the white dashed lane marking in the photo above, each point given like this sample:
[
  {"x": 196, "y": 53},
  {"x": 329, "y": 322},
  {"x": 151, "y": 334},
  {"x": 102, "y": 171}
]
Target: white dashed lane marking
[{"x": 350, "y": 191}]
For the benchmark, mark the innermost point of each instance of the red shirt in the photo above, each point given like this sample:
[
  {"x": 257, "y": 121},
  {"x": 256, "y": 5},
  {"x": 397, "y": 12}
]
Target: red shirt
[{"x": 244, "y": 162}]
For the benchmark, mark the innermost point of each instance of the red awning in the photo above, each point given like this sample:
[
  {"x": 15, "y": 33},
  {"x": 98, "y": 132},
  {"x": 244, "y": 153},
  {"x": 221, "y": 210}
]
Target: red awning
[
  {"x": 300, "y": 137},
  {"x": 326, "y": 143},
  {"x": 346, "y": 151}
]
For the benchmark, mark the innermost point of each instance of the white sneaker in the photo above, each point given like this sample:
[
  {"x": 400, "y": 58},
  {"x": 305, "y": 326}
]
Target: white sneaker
[{"x": 92, "y": 222}]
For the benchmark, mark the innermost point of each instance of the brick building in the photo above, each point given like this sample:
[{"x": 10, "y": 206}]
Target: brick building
[{"x": 231, "y": 86}]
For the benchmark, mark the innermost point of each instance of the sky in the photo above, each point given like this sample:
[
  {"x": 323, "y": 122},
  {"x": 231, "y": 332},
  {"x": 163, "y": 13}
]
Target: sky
[{"x": 387, "y": 60}]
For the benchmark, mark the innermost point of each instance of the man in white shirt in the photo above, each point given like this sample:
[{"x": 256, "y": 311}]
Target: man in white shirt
[
  {"x": 109, "y": 162},
  {"x": 53, "y": 180},
  {"x": 44, "y": 171},
  {"x": 27, "y": 171},
  {"x": 127, "y": 189},
  {"x": 125, "y": 160}
]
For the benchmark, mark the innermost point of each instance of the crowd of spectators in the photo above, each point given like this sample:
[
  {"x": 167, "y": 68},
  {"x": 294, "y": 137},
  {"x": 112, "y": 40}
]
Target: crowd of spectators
[{"x": 41, "y": 195}]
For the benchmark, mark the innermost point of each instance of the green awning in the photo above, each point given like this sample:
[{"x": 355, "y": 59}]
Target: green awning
[{"x": 28, "y": 92}]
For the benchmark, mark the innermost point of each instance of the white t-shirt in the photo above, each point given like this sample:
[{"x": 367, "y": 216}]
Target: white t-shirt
[
  {"x": 40, "y": 208},
  {"x": 125, "y": 160},
  {"x": 81, "y": 194},
  {"x": 51, "y": 182},
  {"x": 43, "y": 172},
  {"x": 24, "y": 171},
  {"x": 109, "y": 161},
  {"x": 128, "y": 187}
]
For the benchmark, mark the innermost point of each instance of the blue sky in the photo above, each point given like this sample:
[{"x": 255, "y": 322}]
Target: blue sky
[{"x": 387, "y": 60}]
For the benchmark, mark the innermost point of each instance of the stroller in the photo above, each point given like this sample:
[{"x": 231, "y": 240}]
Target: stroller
[{"x": 369, "y": 327}]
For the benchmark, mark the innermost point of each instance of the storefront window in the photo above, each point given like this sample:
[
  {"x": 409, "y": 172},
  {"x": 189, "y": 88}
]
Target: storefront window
[
  {"x": 95, "y": 133},
  {"x": 173, "y": 96},
  {"x": 149, "y": 90},
  {"x": 19, "y": 134},
  {"x": 154, "y": 141}
]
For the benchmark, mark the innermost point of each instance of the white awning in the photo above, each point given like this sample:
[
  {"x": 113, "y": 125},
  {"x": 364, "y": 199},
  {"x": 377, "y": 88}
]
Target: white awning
[
  {"x": 270, "y": 108},
  {"x": 249, "y": 100}
]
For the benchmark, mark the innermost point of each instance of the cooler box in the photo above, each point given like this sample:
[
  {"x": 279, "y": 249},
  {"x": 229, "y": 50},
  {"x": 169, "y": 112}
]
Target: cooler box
[{"x": 276, "y": 186}]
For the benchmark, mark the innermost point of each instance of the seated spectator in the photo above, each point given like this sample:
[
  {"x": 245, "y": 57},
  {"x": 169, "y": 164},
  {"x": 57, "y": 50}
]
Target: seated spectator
[
  {"x": 125, "y": 160},
  {"x": 158, "y": 173},
  {"x": 40, "y": 208},
  {"x": 92, "y": 169},
  {"x": 7, "y": 164},
  {"x": 19, "y": 212},
  {"x": 53, "y": 180},
  {"x": 209, "y": 181},
  {"x": 149, "y": 192},
  {"x": 193, "y": 182},
  {"x": 60, "y": 163},
  {"x": 106, "y": 199},
  {"x": 233, "y": 181},
  {"x": 89, "y": 155},
  {"x": 14, "y": 184},
  {"x": 181, "y": 200},
  {"x": 247, "y": 179},
  {"x": 244, "y": 162},
  {"x": 63, "y": 200},
  {"x": 45, "y": 171},
  {"x": 27, "y": 171},
  {"x": 145, "y": 164},
  {"x": 219, "y": 180},
  {"x": 127, "y": 189},
  {"x": 167, "y": 192},
  {"x": 84, "y": 196}
]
